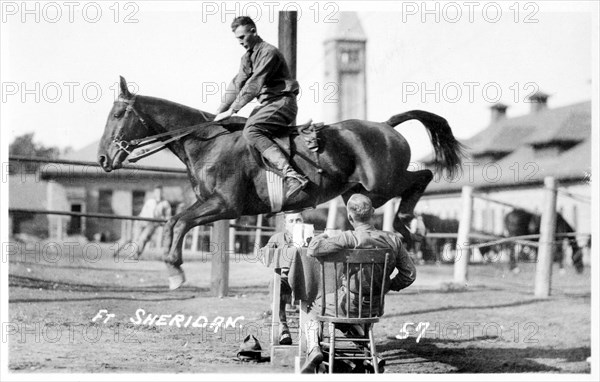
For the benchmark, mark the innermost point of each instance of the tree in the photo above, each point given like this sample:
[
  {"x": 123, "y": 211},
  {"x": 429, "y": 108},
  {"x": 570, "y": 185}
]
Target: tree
[{"x": 24, "y": 145}]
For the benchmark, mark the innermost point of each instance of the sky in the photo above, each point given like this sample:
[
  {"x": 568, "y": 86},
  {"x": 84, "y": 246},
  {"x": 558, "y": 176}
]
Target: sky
[{"x": 60, "y": 64}]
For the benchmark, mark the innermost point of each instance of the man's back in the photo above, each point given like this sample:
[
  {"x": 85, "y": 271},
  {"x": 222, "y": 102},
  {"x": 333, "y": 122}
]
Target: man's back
[{"x": 365, "y": 236}]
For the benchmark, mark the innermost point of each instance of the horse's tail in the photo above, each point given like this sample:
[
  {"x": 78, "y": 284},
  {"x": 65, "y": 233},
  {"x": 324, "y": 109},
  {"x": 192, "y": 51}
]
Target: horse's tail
[{"x": 448, "y": 151}]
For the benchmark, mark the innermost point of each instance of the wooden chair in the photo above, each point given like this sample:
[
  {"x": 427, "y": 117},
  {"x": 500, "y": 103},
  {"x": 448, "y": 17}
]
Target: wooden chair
[{"x": 350, "y": 263}]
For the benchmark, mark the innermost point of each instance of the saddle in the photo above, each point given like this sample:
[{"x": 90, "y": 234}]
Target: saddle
[{"x": 285, "y": 140}]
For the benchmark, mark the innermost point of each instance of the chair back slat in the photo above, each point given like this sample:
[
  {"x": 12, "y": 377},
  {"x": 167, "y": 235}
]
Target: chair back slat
[
  {"x": 387, "y": 257},
  {"x": 360, "y": 268},
  {"x": 347, "y": 291},
  {"x": 336, "y": 287},
  {"x": 323, "y": 300},
  {"x": 356, "y": 262},
  {"x": 371, "y": 290}
]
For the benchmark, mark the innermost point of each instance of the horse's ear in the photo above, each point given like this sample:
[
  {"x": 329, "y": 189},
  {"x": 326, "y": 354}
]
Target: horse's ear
[{"x": 124, "y": 88}]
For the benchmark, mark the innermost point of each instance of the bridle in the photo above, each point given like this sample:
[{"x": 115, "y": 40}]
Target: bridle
[
  {"x": 161, "y": 140},
  {"x": 129, "y": 146}
]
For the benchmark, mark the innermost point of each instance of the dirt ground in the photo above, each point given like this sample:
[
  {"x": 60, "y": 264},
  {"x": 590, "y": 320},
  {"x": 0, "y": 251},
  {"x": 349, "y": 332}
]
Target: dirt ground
[{"x": 495, "y": 325}]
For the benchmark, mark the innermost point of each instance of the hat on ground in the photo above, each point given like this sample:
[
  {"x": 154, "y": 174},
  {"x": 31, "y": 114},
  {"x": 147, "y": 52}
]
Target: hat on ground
[{"x": 249, "y": 349}]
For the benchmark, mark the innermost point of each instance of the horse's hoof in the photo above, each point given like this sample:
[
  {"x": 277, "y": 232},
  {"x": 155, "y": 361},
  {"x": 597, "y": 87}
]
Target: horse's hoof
[{"x": 176, "y": 281}]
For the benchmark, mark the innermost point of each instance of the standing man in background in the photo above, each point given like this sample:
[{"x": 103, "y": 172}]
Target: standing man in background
[
  {"x": 418, "y": 231},
  {"x": 155, "y": 207}
]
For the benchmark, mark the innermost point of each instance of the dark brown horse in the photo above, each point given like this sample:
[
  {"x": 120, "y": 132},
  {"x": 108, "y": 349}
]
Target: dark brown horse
[
  {"x": 519, "y": 222},
  {"x": 355, "y": 157}
]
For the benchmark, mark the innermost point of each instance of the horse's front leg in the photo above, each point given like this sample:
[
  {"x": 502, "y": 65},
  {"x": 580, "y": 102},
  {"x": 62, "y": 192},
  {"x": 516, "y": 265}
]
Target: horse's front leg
[{"x": 198, "y": 214}]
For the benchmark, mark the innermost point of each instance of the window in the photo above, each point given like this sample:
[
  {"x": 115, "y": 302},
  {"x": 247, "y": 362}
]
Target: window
[
  {"x": 350, "y": 59},
  {"x": 75, "y": 222}
]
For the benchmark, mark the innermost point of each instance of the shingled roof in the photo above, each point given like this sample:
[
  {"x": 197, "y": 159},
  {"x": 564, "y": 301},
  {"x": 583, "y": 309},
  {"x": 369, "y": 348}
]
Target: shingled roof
[{"x": 523, "y": 150}]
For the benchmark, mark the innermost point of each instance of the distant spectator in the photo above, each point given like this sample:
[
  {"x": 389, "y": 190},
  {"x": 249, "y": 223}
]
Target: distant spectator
[
  {"x": 155, "y": 207},
  {"x": 418, "y": 232}
]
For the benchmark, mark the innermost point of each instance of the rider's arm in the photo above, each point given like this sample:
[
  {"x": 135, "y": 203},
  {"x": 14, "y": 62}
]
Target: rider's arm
[
  {"x": 234, "y": 87},
  {"x": 231, "y": 93},
  {"x": 264, "y": 65}
]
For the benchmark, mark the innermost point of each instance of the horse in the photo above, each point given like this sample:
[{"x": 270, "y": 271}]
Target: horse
[
  {"x": 355, "y": 156},
  {"x": 436, "y": 246},
  {"x": 435, "y": 224},
  {"x": 519, "y": 222}
]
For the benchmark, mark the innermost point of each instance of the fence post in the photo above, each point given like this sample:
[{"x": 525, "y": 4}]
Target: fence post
[
  {"x": 258, "y": 233},
  {"x": 543, "y": 271},
  {"x": 332, "y": 213},
  {"x": 194, "y": 247},
  {"x": 219, "y": 281},
  {"x": 389, "y": 213},
  {"x": 461, "y": 260},
  {"x": 232, "y": 236}
]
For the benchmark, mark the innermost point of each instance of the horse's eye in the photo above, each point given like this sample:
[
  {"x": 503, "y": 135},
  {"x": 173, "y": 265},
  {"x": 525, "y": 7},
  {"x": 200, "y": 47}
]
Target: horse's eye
[{"x": 116, "y": 115}]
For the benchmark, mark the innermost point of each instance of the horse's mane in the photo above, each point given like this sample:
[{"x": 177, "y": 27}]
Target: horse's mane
[
  {"x": 235, "y": 123},
  {"x": 180, "y": 108}
]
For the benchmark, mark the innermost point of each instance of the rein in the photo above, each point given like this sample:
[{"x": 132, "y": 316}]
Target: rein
[{"x": 130, "y": 146}]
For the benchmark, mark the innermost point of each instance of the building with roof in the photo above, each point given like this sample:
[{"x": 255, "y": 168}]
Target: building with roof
[
  {"x": 509, "y": 160},
  {"x": 88, "y": 189}
]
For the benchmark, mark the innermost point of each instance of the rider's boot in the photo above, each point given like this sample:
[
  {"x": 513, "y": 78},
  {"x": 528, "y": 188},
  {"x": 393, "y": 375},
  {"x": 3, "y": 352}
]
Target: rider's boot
[{"x": 294, "y": 181}]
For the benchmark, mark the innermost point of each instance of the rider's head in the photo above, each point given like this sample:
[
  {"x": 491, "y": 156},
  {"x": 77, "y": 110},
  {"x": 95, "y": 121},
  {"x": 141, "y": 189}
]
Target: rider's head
[
  {"x": 291, "y": 219},
  {"x": 245, "y": 33},
  {"x": 360, "y": 209}
]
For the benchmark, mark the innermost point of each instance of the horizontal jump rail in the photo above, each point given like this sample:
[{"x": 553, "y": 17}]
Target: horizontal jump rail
[
  {"x": 506, "y": 204},
  {"x": 94, "y": 164},
  {"x": 118, "y": 217}
]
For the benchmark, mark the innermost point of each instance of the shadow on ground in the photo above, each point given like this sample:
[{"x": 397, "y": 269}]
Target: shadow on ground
[{"x": 480, "y": 359}]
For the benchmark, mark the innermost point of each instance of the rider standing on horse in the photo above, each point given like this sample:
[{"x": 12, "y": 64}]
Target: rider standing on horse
[{"x": 264, "y": 75}]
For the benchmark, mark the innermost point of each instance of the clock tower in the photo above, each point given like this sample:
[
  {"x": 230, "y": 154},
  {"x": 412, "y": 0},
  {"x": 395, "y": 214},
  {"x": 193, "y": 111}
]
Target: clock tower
[{"x": 344, "y": 90}]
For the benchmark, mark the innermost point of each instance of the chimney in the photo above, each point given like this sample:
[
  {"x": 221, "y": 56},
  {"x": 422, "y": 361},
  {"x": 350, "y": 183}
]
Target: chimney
[
  {"x": 539, "y": 102},
  {"x": 498, "y": 112}
]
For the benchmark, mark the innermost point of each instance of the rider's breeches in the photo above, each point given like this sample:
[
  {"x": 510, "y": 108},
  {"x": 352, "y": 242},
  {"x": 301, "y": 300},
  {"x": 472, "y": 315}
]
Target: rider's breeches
[{"x": 266, "y": 120}]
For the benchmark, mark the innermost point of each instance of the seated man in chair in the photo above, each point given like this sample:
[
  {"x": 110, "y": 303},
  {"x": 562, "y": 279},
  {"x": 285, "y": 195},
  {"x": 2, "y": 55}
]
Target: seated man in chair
[{"x": 364, "y": 236}]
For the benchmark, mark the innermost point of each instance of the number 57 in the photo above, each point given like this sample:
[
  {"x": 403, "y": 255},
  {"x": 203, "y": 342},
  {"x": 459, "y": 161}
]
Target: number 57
[{"x": 421, "y": 328}]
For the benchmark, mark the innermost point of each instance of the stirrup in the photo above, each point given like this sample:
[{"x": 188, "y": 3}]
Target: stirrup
[
  {"x": 294, "y": 190},
  {"x": 301, "y": 183}
]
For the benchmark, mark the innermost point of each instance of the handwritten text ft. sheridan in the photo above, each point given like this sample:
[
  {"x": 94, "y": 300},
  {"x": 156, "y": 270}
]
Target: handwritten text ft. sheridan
[{"x": 177, "y": 320}]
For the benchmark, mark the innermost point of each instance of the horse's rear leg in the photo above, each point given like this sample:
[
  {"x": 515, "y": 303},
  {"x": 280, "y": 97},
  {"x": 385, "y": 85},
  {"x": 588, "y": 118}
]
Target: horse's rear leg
[{"x": 418, "y": 182}]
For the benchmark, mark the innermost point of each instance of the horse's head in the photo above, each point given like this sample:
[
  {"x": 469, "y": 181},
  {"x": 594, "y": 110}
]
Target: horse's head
[{"x": 123, "y": 126}]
